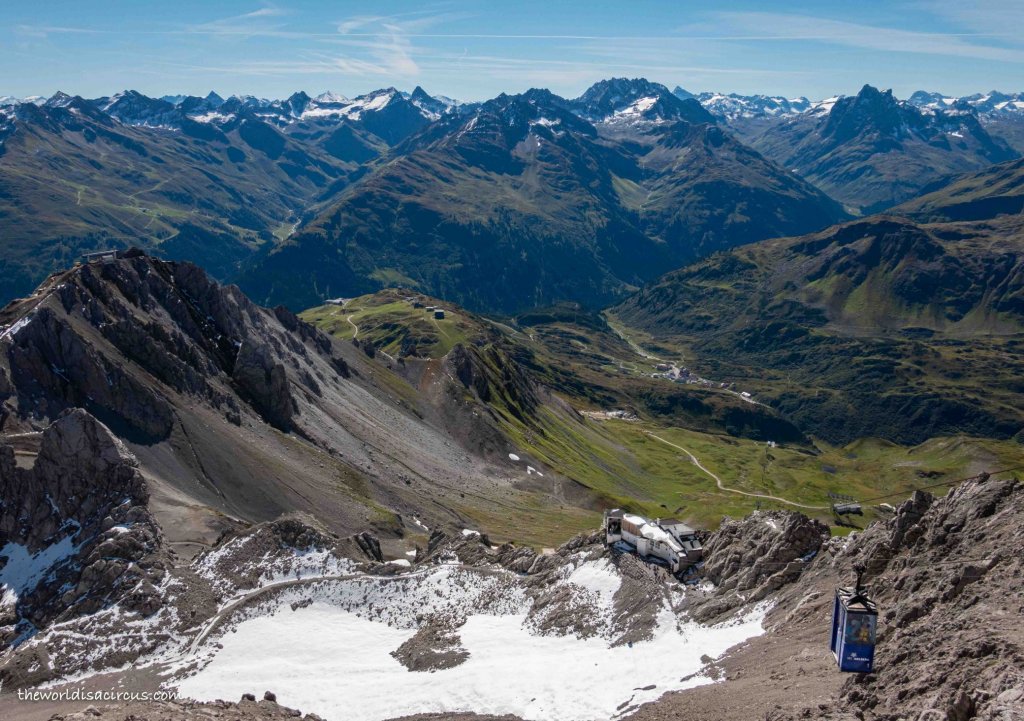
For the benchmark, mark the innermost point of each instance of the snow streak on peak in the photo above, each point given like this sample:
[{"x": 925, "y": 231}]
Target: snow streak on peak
[{"x": 330, "y": 97}]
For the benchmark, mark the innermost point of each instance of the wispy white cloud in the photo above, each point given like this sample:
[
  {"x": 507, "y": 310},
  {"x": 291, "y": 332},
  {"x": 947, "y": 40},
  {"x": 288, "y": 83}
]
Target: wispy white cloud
[
  {"x": 43, "y": 31},
  {"x": 782, "y": 26},
  {"x": 264, "y": 12},
  {"x": 256, "y": 23},
  {"x": 388, "y": 39},
  {"x": 995, "y": 18}
]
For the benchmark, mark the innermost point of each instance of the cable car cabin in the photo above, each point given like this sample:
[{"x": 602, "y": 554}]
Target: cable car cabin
[
  {"x": 669, "y": 540},
  {"x": 854, "y": 625}
]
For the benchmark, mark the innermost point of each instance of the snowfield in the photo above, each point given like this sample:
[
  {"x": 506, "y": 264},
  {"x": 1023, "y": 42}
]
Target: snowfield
[
  {"x": 331, "y": 655},
  {"x": 24, "y": 570}
]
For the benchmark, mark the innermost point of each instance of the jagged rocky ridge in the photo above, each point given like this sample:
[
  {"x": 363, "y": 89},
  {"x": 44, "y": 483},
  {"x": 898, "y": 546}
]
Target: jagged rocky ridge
[
  {"x": 246, "y": 410},
  {"x": 872, "y": 151},
  {"x": 75, "y": 530}
]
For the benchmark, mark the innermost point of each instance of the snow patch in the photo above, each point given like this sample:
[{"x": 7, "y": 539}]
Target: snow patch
[
  {"x": 24, "y": 570},
  {"x": 537, "y": 682},
  {"x": 12, "y": 331},
  {"x": 214, "y": 117},
  {"x": 599, "y": 577}
]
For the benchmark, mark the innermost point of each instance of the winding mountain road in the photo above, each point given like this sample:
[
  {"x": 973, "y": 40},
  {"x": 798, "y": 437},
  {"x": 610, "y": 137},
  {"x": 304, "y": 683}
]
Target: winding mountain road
[{"x": 723, "y": 487}]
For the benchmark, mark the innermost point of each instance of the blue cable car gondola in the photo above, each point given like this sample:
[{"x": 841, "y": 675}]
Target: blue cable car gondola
[{"x": 854, "y": 624}]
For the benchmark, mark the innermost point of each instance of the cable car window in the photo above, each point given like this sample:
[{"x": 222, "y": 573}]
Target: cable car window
[{"x": 860, "y": 628}]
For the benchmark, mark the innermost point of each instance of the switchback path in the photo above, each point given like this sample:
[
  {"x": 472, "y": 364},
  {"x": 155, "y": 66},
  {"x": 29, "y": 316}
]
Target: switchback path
[{"x": 723, "y": 487}]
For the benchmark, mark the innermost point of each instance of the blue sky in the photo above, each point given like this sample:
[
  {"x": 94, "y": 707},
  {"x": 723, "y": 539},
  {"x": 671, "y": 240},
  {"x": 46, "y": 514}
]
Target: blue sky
[{"x": 474, "y": 49}]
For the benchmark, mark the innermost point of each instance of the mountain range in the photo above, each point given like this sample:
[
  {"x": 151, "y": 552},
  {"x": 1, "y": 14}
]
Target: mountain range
[
  {"x": 733, "y": 106},
  {"x": 191, "y": 483},
  {"x": 906, "y": 325},
  {"x": 306, "y": 198},
  {"x": 541, "y": 204},
  {"x": 872, "y": 151}
]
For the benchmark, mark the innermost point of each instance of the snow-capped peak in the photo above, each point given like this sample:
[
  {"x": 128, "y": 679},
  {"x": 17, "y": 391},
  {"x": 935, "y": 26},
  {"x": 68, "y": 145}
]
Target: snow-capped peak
[
  {"x": 59, "y": 99},
  {"x": 330, "y": 97}
]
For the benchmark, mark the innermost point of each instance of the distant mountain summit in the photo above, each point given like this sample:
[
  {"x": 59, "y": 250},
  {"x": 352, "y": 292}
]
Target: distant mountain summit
[
  {"x": 625, "y": 100},
  {"x": 59, "y": 99},
  {"x": 992, "y": 103},
  {"x": 733, "y": 106},
  {"x": 872, "y": 151},
  {"x": 872, "y": 113},
  {"x": 133, "y": 108},
  {"x": 524, "y": 200}
]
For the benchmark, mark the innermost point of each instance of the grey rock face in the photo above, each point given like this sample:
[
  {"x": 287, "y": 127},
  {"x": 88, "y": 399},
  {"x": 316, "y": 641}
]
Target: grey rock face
[
  {"x": 946, "y": 574},
  {"x": 85, "y": 498},
  {"x": 435, "y": 646},
  {"x": 100, "y": 338},
  {"x": 757, "y": 555},
  {"x": 264, "y": 381},
  {"x": 54, "y": 368}
]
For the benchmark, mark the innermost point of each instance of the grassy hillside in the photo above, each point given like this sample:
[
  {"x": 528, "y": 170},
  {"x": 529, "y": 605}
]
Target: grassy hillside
[
  {"x": 976, "y": 196},
  {"x": 884, "y": 326},
  {"x": 579, "y": 408},
  {"x": 75, "y": 180}
]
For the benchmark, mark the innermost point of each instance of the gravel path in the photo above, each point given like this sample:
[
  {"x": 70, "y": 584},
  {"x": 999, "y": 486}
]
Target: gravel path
[{"x": 723, "y": 487}]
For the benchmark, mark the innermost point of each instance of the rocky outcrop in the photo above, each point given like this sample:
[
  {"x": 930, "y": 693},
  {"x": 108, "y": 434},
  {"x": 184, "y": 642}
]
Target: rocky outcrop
[
  {"x": 493, "y": 376},
  {"x": 75, "y": 529},
  {"x": 369, "y": 545},
  {"x": 100, "y": 335},
  {"x": 750, "y": 558},
  {"x": 264, "y": 382},
  {"x": 435, "y": 646},
  {"x": 947, "y": 576},
  {"x": 54, "y": 368},
  {"x": 302, "y": 329}
]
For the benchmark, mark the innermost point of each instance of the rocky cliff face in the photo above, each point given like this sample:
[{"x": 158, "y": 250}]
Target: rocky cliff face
[
  {"x": 173, "y": 323},
  {"x": 750, "y": 558},
  {"x": 246, "y": 410},
  {"x": 75, "y": 530},
  {"x": 948, "y": 575}
]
